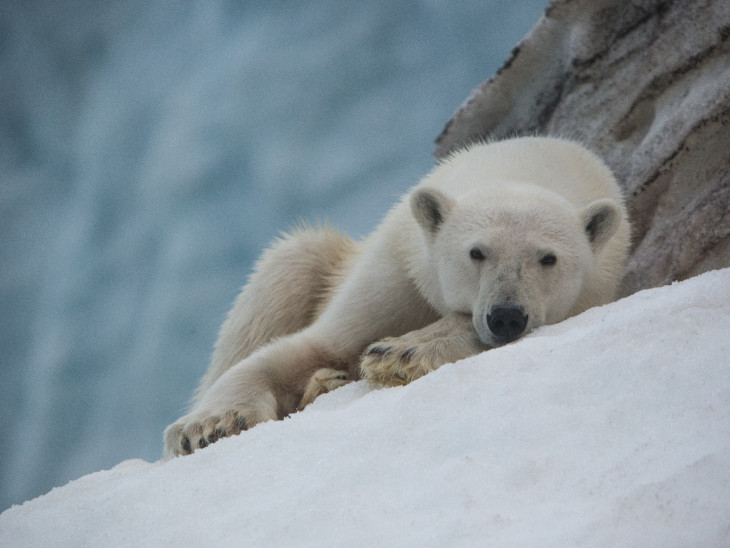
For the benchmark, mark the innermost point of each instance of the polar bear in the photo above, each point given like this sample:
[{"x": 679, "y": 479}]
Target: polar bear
[{"x": 499, "y": 239}]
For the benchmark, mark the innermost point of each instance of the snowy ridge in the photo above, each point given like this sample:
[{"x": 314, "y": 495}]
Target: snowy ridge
[{"x": 609, "y": 429}]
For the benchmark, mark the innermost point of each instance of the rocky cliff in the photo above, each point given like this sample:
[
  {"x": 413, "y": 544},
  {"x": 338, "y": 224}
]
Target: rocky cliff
[{"x": 646, "y": 84}]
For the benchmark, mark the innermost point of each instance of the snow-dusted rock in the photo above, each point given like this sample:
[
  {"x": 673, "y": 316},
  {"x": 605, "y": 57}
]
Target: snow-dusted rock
[{"x": 647, "y": 85}]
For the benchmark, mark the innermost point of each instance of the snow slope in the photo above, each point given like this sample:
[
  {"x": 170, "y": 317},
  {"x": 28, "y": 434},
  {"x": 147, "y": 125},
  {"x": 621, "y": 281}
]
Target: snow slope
[{"x": 609, "y": 429}]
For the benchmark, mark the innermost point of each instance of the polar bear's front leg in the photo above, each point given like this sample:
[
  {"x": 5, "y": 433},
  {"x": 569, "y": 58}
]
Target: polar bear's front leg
[
  {"x": 268, "y": 385},
  {"x": 400, "y": 360},
  {"x": 236, "y": 402}
]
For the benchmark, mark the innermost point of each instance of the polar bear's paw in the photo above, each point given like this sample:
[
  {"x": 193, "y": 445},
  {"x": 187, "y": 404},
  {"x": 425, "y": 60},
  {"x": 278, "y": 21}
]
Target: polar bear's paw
[
  {"x": 396, "y": 361},
  {"x": 187, "y": 435},
  {"x": 399, "y": 360},
  {"x": 323, "y": 380},
  {"x": 199, "y": 429}
]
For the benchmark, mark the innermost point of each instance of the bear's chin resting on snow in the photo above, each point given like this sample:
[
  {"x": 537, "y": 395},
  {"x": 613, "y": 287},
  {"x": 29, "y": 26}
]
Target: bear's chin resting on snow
[{"x": 497, "y": 240}]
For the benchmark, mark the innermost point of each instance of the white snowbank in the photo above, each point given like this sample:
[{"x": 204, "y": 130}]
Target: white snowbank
[{"x": 610, "y": 429}]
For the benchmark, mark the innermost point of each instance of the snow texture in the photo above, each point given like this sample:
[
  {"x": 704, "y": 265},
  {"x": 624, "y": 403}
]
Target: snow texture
[{"x": 609, "y": 429}]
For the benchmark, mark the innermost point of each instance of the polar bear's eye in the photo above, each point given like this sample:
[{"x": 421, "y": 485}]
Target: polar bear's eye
[
  {"x": 476, "y": 254},
  {"x": 548, "y": 260}
]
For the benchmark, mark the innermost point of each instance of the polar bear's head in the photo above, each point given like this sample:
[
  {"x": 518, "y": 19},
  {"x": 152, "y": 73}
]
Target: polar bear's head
[{"x": 514, "y": 258}]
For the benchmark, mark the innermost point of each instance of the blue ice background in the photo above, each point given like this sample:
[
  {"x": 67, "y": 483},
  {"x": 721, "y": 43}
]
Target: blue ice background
[{"x": 150, "y": 150}]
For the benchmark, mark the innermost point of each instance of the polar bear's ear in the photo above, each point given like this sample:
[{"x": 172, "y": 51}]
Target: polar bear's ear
[
  {"x": 601, "y": 219},
  {"x": 430, "y": 208}
]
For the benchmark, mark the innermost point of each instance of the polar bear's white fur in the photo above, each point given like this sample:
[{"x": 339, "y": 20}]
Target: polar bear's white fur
[{"x": 499, "y": 239}]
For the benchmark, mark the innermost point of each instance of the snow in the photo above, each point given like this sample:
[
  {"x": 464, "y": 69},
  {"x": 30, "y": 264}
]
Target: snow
[{"x": 609, "y": 429}]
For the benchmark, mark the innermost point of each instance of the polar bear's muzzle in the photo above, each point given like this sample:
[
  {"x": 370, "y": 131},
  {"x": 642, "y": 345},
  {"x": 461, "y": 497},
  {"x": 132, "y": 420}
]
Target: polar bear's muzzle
[{"x": 507, "y": 322}]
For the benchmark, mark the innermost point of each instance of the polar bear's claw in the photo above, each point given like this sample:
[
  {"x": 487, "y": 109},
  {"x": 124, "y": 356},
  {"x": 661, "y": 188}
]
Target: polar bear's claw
[
  {"x": 408, "y": 354},
  {"x": 379, "y": 350}
]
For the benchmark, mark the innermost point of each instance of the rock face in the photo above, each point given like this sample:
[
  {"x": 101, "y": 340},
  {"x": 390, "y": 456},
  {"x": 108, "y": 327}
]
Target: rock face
[{"x": 646, "y": 85}]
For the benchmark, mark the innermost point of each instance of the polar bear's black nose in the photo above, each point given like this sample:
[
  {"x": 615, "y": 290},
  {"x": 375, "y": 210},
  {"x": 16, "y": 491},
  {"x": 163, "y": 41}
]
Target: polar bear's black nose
[{"x": 507, "y": 321}]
